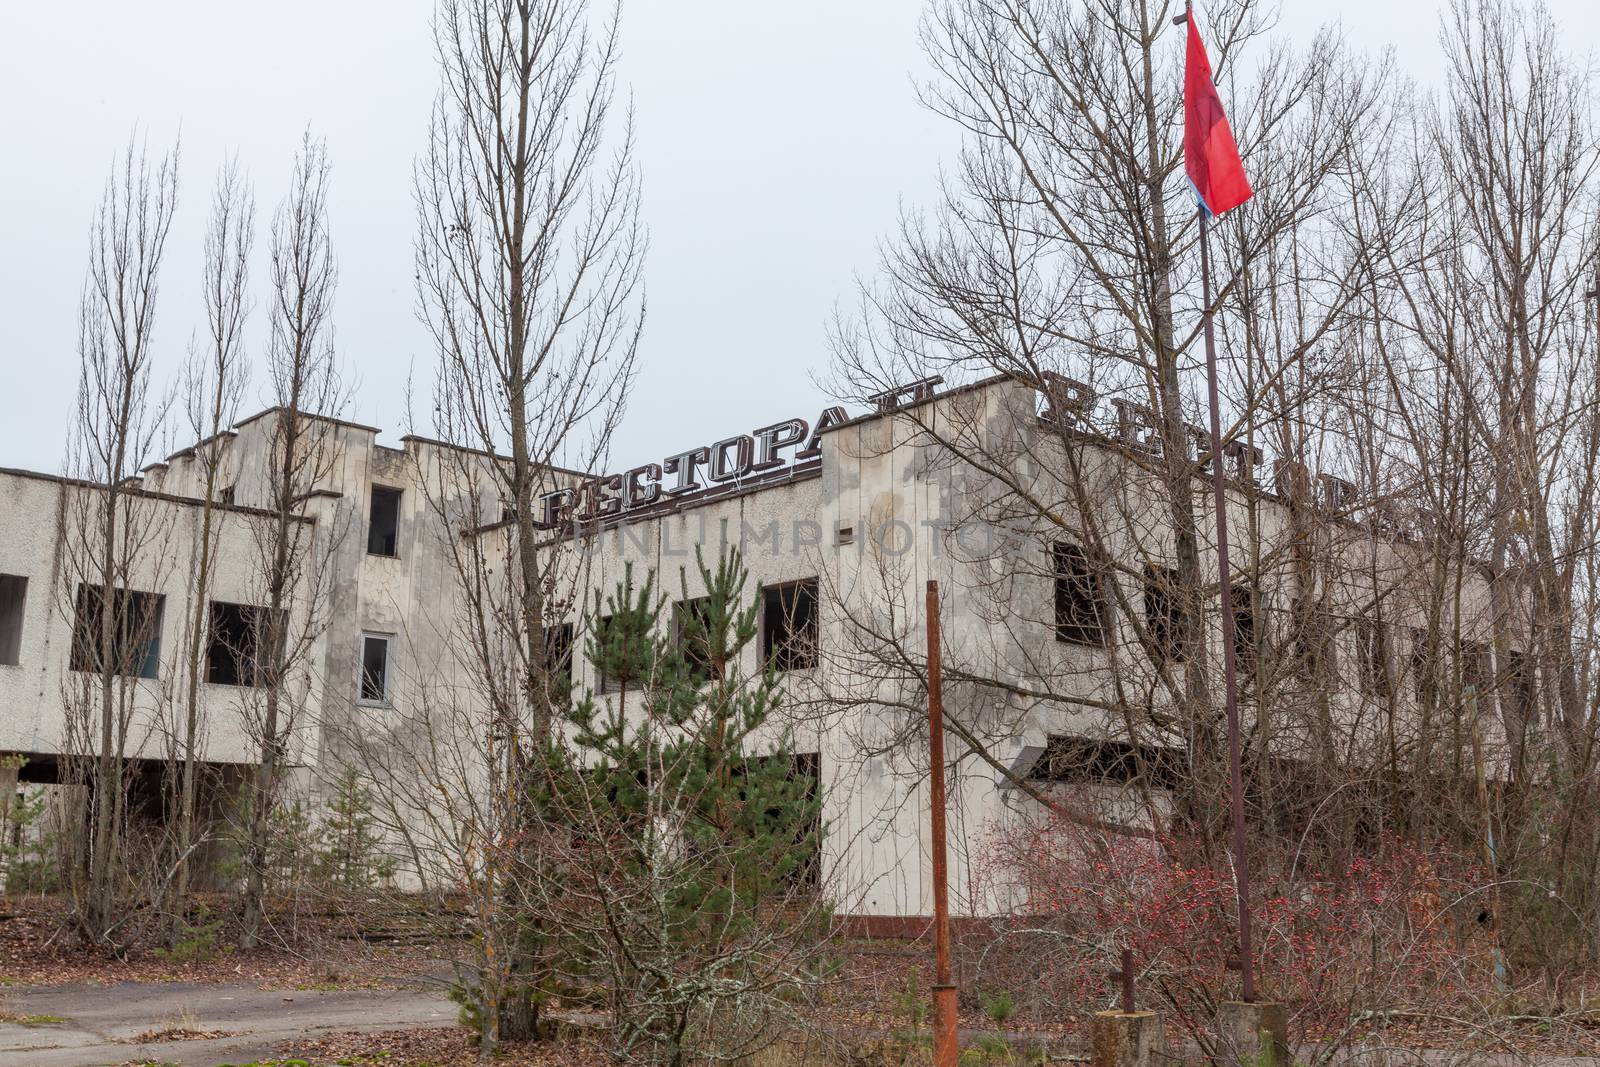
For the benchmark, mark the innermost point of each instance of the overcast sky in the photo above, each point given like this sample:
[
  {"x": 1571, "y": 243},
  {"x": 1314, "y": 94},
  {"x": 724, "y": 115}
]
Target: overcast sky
[{"x": 777, "y": 143}]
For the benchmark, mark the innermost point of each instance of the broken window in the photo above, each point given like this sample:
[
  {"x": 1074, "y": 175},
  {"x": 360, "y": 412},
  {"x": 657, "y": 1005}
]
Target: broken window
[
  {"x": 1372, "y": 652},
  {"x": 626, "y": 669},
  {"x": 1165, "y": 620},
  {"x": 135, "y": 639},
  {"x": 1080, "y": 604},
  {"x": 1518, "y": 686},
  {"x": 789, "y": 625},
  {"x": 1314, "y": 648},
  {"x": 1424, "y": 663},
  {"x": 1244, "y": 630},
  {"x": 237, "y": 643},
  {"x": 13, "y": 597},
  {"x": 383, "y": 526},
  {"x": 1476, "y": 670},
  {"x": 804, "y": 768},
  {"x": 558, "y": 657},
  {"x": 375, "y": 668},
  {"x": 691, "y": 629}
]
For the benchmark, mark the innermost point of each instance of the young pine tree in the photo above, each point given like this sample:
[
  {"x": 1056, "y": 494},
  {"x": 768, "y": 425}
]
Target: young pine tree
[{"x": 692, "y": 838}]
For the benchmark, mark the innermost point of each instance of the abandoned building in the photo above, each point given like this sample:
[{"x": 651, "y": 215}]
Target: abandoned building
[{"x": 841, "y": 522}]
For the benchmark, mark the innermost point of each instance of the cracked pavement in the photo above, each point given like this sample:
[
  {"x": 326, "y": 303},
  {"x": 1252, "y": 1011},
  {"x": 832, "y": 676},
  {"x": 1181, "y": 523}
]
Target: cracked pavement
[{"x": 99, "y": 1021}]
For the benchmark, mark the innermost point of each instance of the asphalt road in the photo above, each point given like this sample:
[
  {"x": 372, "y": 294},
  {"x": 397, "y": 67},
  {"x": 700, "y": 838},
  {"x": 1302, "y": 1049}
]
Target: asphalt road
[{"x": 98, "y": 1022}]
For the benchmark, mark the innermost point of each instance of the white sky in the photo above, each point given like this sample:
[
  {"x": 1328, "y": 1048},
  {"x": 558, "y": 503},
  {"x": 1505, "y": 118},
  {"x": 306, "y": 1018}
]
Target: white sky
[{"x": 777, "y": 143}]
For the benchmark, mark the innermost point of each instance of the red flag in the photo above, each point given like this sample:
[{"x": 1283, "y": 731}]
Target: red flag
[{"x": 1210, "y": 155}]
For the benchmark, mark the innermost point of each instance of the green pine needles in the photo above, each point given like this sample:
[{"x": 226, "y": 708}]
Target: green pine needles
[{"x": 690, "y": 839}]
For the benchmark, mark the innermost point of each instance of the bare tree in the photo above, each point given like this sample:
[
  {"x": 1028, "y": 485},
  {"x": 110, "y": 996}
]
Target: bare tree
[
  {"x": 529, "y": 260},
  {"x": 112, "y": 532},
  {"x": 293, "y": 552},
  {"x": 1062, "y": 257},
  {"x": 214, "y": 379}
]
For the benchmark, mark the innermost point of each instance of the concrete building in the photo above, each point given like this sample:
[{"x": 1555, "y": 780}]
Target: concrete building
[{"x": 841, "y": 521}]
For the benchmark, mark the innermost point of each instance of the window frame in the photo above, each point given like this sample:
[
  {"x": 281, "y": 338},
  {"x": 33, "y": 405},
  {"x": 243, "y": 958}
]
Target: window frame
[
  {"x": 697, "y": 659},
  {"x": 1169, "y": 642},
  {"x": 1077, "y": 588},
  {"x": 82, "y": 660},
  {"x": 13, "y": 617},
  {"x": 771, "y": 651},
  {"x": 397, "y": 494},
  {"x": 387, "y": 699},
  {"x": 255, "y": 616}
]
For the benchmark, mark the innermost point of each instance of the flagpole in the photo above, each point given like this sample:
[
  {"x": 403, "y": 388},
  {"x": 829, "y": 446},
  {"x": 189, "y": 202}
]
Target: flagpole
[{"x": 1241, "y": 860}]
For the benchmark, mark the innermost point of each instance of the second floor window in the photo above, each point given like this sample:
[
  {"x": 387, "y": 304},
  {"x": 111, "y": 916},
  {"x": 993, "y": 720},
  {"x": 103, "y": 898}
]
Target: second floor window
[
  {"x": 13, "y": 598},
  {"x": 238, "y": 647},
  {"x": 1080, "y": 603},
  {"x": 789, "y": 627},
  {"x": 375, "y": 668},
  {"x": 691, "y": 627},
  {"x": 135, "y": 640},
  {"x": 1165, "y": 620},
  {"x": 383, "y": 524}
]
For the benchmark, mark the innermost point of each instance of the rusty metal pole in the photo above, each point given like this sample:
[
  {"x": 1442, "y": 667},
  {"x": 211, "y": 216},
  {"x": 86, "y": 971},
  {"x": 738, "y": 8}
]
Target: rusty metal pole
[
  {"x": 1241, "y": 859},
  {"x": 946, "y": 1050}
]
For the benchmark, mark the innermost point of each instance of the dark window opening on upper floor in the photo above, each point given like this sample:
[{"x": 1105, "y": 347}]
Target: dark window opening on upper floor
[
  {"x": 558, "y": 659},
  {"x": 383, "y": 524},
  {"x": 1246, "y": 638},
  {"x": 1165, "y": 620},
  {"x": 374, "y": 668},
  {"x": 133, "y": 646},
  {"x": 1518, "y": 689},
  {"x": 692, "y": 630},
  {"x": 789, "y": 627},
  {"x": 13, "y": 598},
  {"x": 238, "y": 644},
  {"x": 1316, "y": 651},
  {"x": 1372, "y": 654},
  {"x": 1080, "y": 600},
  {"x": 623, "y": 655},
  {"x": 225, "y": 495}
]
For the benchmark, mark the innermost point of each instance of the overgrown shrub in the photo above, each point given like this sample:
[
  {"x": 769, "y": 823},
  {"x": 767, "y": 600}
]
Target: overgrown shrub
[{"x": 1393, "y": 929}]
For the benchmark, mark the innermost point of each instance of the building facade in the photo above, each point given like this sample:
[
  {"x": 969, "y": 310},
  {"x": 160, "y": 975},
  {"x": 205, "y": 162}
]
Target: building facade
[{"x": 1072, "y": 660}]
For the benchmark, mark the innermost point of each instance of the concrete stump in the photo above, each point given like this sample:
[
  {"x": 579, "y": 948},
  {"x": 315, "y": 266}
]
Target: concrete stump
[
  {"x": 1252, "y": 1035},
  {"x": 1126, "y": 1039}
]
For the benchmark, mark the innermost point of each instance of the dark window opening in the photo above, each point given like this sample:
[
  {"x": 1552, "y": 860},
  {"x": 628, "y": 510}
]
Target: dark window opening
[
  {"x": 1245, "y": 637},
  {"x": 789, "y": 625},
  {"x": 1164, "y": 616},
  {"x": 225, "y": 495},
  {"x": 1372, "y": 651},
  {"x": 383, "y": 527},
  {"x": 135, "y": 648},
  {"x": 691, "y": 630},
  {"x": 238, "y": 642},
  {"x": 1476, "y": 669},
  {"x": 558, "y": 658},
  {"x": 1314, "y": 649},
  {"x": 374, "y": 669},
  {"x": 1517, "y": 673},
  {"x": 627, "y": 668},
  {"x": 805, "y": 768},
  {"x": 1080, "y": 759},
  {"x": 1080, "y": 601},
  {"x": 1424, "y": 664},
  {"x": 13, "y": 598}
]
